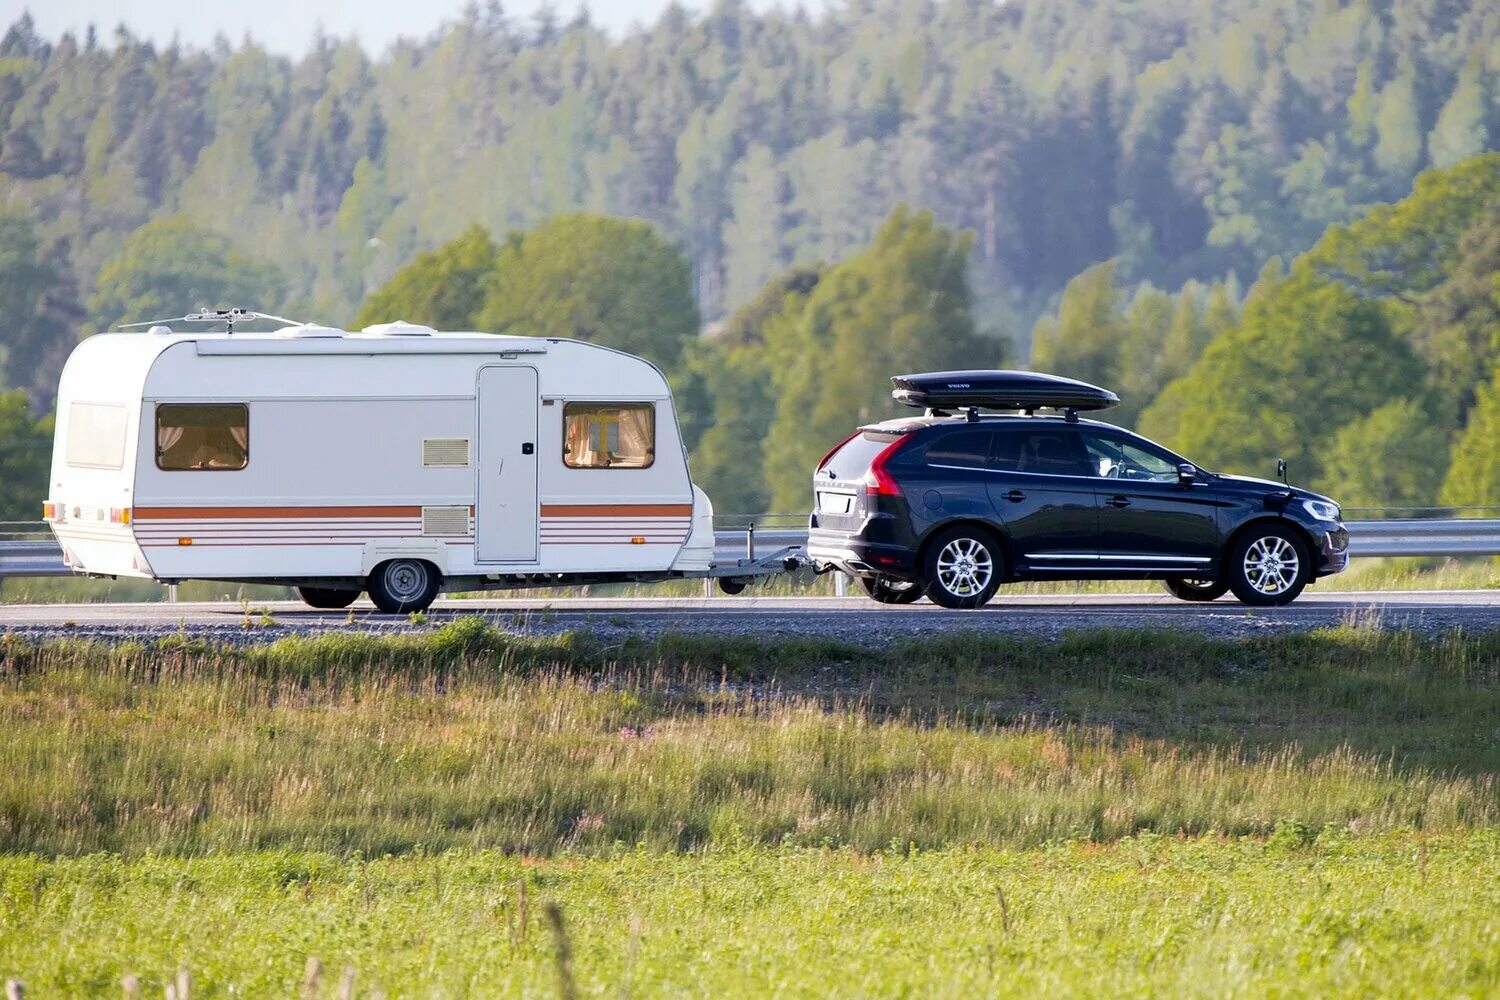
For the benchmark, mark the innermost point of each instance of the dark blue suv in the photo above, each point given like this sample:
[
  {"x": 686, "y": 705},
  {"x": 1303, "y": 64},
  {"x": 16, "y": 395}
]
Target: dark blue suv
[{"x": 954, "y": 503}]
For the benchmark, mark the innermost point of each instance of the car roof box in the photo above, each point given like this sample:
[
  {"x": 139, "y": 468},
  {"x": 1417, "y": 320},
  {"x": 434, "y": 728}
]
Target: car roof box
[{"x": 999, "y": 390}]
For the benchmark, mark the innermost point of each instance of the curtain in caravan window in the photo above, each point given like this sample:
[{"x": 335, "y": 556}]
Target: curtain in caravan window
[
  {"x": 96, "y": 436},
  {"x": 609, "y": 435},
  {"x": 202, "y": 436}
]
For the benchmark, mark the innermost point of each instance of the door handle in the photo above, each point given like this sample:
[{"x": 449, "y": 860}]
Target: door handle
[
  {"x": 1015, "y": 496},
  {"x": 1118, "y": 502}
]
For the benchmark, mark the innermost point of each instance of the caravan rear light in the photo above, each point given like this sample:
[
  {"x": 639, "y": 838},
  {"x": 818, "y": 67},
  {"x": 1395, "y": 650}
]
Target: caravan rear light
[
  {"x": 878, "y": 482},
  {"x": 834, "y": 450},
  {"x": 50, "y": 512},
  {"x": 119, "y": 515}
]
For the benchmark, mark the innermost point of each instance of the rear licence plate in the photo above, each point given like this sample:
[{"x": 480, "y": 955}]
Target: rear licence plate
[{"x": 834, "y": 503}]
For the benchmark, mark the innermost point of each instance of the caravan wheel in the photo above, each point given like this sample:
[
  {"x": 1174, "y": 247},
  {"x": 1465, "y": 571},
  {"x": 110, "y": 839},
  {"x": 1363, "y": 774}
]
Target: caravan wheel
[
  {"x": 404, "y": 585},
  {"x": 326, "y": 599}
]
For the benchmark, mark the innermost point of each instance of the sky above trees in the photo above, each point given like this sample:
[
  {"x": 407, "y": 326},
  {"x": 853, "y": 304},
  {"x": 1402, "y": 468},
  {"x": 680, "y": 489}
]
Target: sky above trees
[{"x": 286, "y": 27}]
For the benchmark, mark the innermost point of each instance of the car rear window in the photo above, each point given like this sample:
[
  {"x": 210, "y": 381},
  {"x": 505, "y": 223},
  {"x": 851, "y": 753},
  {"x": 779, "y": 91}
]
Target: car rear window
[
  {"x": 1043, "y": 450},
  {"x": 854, "y": 458},
  {"x": 961, "y": 449}
]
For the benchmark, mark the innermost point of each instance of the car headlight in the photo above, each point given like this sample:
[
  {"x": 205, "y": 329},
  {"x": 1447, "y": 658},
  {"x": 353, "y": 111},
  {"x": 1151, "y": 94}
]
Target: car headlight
[{"x": 1321, "y": 509}]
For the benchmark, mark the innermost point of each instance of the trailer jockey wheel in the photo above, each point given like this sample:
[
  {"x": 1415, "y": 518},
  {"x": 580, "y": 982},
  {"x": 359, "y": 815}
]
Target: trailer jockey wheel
[
  {"x": 404, "y": 585},
  {"x": 731, "y": 586}
]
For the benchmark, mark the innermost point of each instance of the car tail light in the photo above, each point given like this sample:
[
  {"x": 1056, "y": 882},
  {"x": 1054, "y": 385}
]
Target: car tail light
[
  {"x": 878, "y": 482},
  {"x": 834, "y": 451}
]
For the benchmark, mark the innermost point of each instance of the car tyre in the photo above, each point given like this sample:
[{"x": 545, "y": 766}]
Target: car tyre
[
  {"x": 1267, "y": 566},
  {"x": 326, "y": 598},
  {"x": 1187, "y": 589},
  {"x": 400, "y": 586},
  {"x": 961, "y": 568},
  {"x": 886, "y": 591}
]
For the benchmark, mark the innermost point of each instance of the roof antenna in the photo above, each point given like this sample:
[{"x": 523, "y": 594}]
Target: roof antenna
[{"x": 228, "y": 317}]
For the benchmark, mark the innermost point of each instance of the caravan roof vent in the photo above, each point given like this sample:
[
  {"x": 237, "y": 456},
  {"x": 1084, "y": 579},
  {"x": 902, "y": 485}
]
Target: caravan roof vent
[
  {"x": 308, "y": 331},
  {"x": 400, "y": 328},
  {"x": 160, "y": 329}
]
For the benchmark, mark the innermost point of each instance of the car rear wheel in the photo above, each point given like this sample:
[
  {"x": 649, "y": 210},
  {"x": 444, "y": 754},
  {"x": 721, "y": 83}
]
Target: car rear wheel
[
  {"x": 1185, "y": 589},
  {"x": 404, "y": 585},
  {"x": 884, "y": 591},
  {"x": 962, "y": 568},
  {"x": 1268, "y": 566},
  {"x": 326, "y": 598}
]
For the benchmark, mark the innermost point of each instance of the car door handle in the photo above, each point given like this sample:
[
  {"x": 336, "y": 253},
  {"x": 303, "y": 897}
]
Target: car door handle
[
  {"x": 1118, "y": 502},
  {"x": 1015, "y": 496}
]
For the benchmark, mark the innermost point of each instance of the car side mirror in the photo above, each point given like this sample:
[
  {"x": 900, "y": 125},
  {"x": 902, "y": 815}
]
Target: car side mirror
[{"x": 1187, "y": 474}]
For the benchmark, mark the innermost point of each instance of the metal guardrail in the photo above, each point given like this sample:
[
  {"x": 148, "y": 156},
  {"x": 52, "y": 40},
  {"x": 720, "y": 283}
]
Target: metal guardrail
[{"x": 34, "y": 557}]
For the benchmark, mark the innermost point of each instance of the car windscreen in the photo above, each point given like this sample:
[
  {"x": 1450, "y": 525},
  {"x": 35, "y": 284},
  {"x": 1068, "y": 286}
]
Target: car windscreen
[{"x": 852, "y": 460}]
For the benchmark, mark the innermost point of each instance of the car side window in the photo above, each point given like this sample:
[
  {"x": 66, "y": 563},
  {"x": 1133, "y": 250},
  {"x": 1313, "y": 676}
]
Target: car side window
[
  {"x": 1045, "y": 450},
  {"x": 961, "y": 450},
  {"x": 1112, "y": 457}
]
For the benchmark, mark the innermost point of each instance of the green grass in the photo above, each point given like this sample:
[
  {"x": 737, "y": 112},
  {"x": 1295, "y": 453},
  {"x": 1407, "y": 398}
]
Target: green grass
[
  {"x": 471, "y": 738},
  {"x": 1312, "y": 814},
  {"x": 1300, "y": 914}
]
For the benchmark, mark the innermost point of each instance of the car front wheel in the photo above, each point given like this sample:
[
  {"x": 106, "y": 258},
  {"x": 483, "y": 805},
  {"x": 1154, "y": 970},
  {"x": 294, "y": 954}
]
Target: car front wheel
[
  {"x": 962, "y": 568},
  {"x": 884, "y": 591},
  {"x": 1268, "y": 566},
  {"x": 1185, "y": 589}
]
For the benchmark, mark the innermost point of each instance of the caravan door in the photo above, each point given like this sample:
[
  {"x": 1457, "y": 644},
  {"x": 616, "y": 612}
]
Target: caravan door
[{"x": 505, "y": 515}]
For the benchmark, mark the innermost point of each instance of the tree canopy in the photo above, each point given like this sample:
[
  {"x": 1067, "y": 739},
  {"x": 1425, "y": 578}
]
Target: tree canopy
[{"x": 587, "y": 277}]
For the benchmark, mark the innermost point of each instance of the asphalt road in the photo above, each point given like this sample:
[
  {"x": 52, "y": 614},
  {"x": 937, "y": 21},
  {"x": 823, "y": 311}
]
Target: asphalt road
[{"x": 854, "y": 619}]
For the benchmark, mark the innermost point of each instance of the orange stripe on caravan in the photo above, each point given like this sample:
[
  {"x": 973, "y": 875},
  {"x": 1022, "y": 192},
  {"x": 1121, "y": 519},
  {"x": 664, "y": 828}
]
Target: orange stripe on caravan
[
  {"x": 228, "y": 513},
  {"x": 617, "y": 510}
]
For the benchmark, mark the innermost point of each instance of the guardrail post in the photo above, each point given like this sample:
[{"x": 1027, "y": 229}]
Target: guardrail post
[
  {"x": 171, "y": 593},
  {"x": 840, "y": 585},
  {"x": 750, "y": 542}
]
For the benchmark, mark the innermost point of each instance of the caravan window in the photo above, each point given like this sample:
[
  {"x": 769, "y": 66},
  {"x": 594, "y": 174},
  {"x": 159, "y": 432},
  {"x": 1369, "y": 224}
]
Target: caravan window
[
  {"x": 96, "y": 436},
  {"x": 211, "y": 436},
  {"x": 609, "y": 435}
]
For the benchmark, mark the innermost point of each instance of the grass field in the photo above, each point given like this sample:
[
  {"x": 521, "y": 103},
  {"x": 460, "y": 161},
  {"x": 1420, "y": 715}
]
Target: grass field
[
  {"x": 1304, "y": 814},
  {"x": 1393, "y": 915}
]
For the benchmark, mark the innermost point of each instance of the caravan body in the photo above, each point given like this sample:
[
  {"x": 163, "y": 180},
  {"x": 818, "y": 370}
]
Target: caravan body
[{"x": 314, "y": 457}]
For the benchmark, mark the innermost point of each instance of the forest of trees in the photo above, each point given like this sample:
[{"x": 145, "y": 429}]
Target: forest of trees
[{"x": 1172, "y": 199}]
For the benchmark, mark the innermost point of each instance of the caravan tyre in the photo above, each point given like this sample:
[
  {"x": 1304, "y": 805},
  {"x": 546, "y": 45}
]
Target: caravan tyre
[
  {"x": 326, "y": 598},
  {"x": 404, "y": 585}
]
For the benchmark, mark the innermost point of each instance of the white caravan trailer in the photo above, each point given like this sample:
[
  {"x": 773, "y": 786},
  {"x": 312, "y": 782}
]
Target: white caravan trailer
[{"x": 396, "y": 460}]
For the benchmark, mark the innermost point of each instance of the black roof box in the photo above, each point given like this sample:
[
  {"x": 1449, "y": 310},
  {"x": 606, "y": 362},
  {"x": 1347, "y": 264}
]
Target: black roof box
[{"x": 999, "y": 390}]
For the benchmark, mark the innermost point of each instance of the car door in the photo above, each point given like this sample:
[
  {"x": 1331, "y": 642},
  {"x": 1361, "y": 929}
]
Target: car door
[
  {"x": 1148, "y": 520},
  {"x": 1040, "y": 488}
]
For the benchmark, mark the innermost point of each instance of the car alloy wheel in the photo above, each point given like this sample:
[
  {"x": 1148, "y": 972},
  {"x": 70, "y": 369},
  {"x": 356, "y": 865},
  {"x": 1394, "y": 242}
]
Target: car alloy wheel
[
  {"x": 1271, "y": 565},
  {"x": 962, "y": 568},
  {"x": 1185, "y": 589},
  {"x": 1268, "y": 566}
]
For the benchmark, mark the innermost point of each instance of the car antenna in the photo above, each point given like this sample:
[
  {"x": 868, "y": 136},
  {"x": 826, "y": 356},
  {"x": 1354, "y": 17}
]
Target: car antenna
[
  {"x": 1281, "y": 472},
  {"x": 229, "y": 317}
]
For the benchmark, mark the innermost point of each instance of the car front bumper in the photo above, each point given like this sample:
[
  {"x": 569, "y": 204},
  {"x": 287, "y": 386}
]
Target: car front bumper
[{"x": 1333, "y": 551}]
